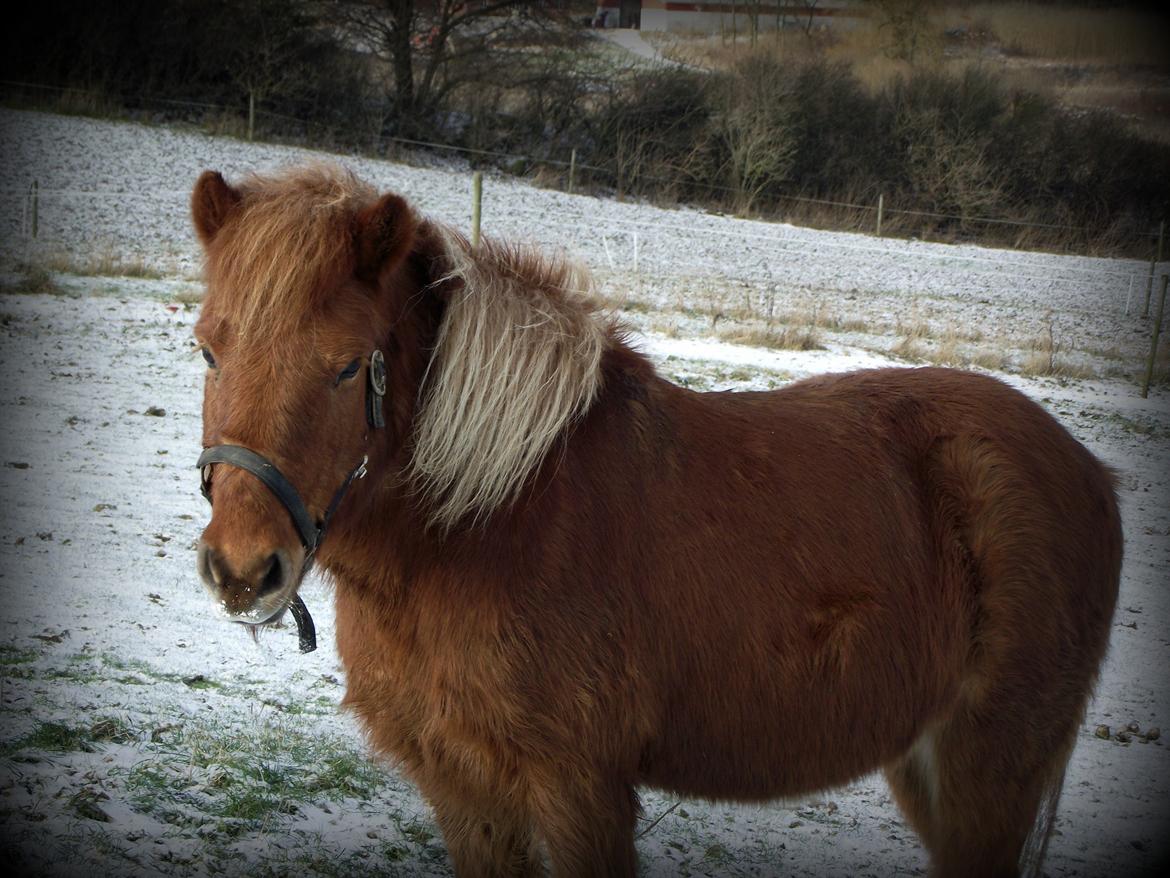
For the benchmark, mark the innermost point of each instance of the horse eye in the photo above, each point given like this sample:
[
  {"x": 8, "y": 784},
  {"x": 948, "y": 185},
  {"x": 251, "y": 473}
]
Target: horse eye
[
  {"x": 208, "y": 357},
  {"x": 349, "y": 371}
]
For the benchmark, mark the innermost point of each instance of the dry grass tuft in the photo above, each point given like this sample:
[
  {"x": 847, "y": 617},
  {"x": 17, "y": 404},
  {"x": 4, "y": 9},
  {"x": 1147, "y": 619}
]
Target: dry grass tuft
[
  {"x": 192, "y": 295},
  {"x": 988, "y": 359},
  {"x": 792, "y": 338},
  {"x": 1046, "y": 358},
  {"x": 105, "y": 263},
  {"x": 34, "y": 280},
  {"x": 910, "y": 348}
]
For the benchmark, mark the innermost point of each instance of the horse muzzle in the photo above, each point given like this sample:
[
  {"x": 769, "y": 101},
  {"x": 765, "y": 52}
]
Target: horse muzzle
[
  {"x": 254, "y": 592},
  {"x": 257, "y": 588}
]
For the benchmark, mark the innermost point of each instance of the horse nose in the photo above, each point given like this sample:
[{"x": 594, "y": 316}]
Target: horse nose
[{"x": 252, "y": 587}]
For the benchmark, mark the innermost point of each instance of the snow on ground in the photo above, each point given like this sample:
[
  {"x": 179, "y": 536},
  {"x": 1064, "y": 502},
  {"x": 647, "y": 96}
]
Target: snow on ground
[{"x": 139, "y": 735}]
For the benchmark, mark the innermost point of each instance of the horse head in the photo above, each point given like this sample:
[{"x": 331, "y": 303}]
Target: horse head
[{"x": 308, "y": 291}]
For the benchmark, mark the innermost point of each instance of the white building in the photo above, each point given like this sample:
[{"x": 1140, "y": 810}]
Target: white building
[{"x": 714, "y": 16}]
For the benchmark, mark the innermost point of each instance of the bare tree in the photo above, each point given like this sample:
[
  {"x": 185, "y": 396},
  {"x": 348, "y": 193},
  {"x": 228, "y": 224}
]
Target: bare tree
[
  {"x": 273, "y": 55},
  {"x": 432, "y": 48},
  {"x": 907, "y": 25},
  {"x": 755, "y": 132},
  {"x": 810, "y": 7}
]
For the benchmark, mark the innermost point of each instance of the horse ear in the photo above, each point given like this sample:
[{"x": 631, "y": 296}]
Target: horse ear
[
  {"x": 211, "y": 202},
  {"x": 384, "y": 235}
]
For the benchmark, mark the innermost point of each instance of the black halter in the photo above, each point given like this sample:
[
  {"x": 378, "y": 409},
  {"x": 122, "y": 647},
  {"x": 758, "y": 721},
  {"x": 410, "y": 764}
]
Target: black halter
[{"x": 311, "y": 532}]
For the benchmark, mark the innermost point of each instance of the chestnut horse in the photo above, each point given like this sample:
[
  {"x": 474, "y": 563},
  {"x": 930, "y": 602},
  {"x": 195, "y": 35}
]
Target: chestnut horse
[{"x": 562, "y": 577}]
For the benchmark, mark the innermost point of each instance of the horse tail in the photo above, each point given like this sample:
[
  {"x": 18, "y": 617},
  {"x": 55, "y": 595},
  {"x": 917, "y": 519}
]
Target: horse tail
[{"x": 1036, "y": 844}]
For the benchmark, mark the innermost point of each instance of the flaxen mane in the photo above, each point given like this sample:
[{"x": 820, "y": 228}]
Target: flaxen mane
[{"x": 517, "y": 359}]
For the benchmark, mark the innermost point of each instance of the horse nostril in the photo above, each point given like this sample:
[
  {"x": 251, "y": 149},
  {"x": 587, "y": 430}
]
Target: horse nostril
[
  {"x": 274, "y": 578},
  {"x": 206, "y": 565}
]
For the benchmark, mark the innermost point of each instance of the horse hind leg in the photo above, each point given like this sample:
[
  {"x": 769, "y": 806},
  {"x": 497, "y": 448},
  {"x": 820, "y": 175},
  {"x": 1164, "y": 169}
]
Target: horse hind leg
[
  {"x": 982, "y": 804},
  {"x": 982, "y": 782}
]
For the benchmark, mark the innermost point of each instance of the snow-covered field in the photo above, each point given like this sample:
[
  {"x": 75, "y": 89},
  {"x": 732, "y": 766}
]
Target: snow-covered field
[{"x": 140, "y": 736}]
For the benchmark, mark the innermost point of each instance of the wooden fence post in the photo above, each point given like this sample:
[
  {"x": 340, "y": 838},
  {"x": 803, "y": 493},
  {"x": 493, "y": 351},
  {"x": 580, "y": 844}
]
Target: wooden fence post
[
  {"x": 572, "y": 169},
  {"x": 1153, "y": 267},
  {"x": 476, "y": 203},
  {"x": 881, "y": 205},
  {"x": 34, "y": 211},
  {"x": 1154, "y": 338}
]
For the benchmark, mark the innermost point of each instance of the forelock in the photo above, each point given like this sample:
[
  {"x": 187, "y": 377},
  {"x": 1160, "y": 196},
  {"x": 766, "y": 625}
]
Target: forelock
[{"x": 288, "y": 244}]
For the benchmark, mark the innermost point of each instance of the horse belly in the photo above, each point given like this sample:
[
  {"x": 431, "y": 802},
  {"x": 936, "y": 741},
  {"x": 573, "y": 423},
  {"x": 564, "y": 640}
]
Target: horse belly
[{"x": 812, "y": 695}]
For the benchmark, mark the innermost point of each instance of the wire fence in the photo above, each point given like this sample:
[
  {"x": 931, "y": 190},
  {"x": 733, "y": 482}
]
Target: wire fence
[
  {"x": 380, "y": 143},
  {"x": 36, "y": 198},
  {"x": 711, "y": 256}
]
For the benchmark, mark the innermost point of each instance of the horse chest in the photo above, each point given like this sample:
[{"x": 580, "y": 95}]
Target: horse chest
[{"x": 417, "y": 689}]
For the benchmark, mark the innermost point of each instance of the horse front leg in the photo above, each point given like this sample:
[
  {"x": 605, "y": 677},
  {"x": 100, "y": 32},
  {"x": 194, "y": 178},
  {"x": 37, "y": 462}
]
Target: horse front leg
[
  {"x": 496, "y": 845},
  {"x": 587, "y": 825}
]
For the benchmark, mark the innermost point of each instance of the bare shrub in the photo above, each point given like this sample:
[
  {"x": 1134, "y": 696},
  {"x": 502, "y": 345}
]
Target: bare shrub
[
  {"x": 752, "y": 137},
  {"x": 646, "y": 133},
  {"x": 1046, "y": 358},
  {"x": 906, "y": 26}
]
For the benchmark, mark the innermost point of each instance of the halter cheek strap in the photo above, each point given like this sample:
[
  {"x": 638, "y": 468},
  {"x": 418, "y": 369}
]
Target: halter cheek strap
[{"x": 376, "y": 391}]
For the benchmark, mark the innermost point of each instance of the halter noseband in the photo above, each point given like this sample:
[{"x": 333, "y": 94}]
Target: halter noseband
[{"x": 311, "y": 532}]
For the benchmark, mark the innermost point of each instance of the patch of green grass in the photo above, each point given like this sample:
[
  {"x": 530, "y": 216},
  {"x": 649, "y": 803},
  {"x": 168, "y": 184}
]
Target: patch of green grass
[
  {"x": 417, "y": 831},
  {"x": 57, "y": 737},
  {"x": 14, "y": 655},
  {"x": 321, "y": 861},
  {"x": 1133, "y": 425},
  {"x": 253, "y": 804},
  {"x": 112, "y": 729},
  {"x": 717, "y": 853},
  {"x": 131, "y": 667},
  {"x": 63, "y": 738},
  {"x": 201, "y": 682},
  {"x": 245, "y": 778}
]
